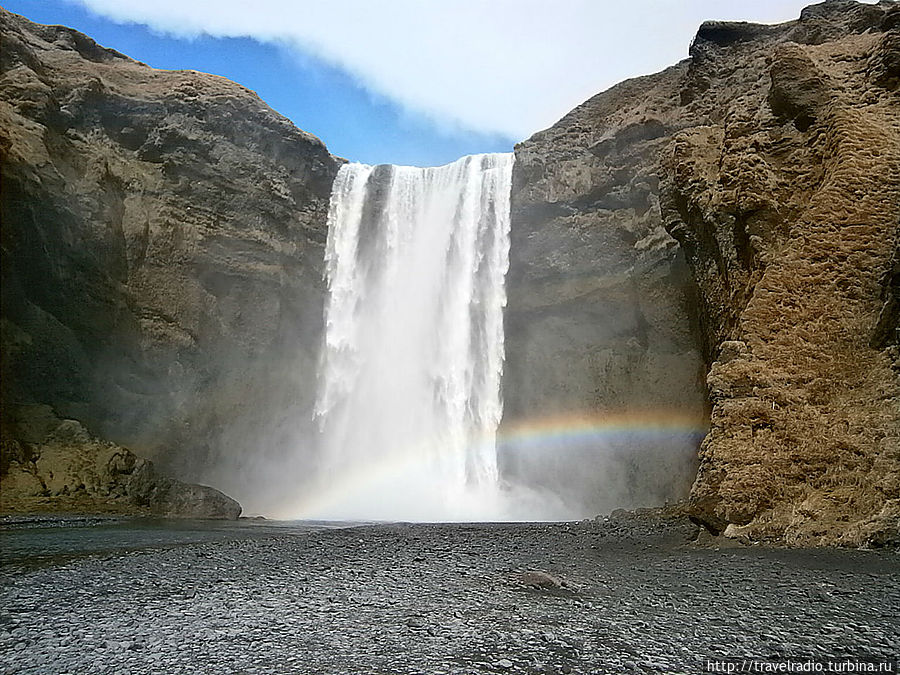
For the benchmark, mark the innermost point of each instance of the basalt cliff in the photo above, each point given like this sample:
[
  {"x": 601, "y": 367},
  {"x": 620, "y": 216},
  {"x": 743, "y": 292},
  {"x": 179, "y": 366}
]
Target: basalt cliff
[
  {"x": 716, "y": 244},
  {"x": 739, "y": 210},
  {"x": 163, "y": 235}
]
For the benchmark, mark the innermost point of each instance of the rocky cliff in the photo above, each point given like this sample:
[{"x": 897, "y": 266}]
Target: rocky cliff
[
  {"x": 743, "y": 205},
  {"x": 603, "y": 319},
  {"x": 712, "y": 246},
  {"x": 162, "y": 246}
]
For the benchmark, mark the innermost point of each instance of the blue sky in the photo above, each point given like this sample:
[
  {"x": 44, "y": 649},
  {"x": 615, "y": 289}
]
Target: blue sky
[
  {"x": 409, "y": 81},
  {"x": 319, "y": 98}
]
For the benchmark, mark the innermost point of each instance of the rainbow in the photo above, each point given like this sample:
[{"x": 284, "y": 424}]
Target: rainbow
[
  {"x": 543, "y": 434},
  {"x": 583, "y": 427}
]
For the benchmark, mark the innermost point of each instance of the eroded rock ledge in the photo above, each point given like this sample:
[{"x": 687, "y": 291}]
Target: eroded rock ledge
[
  {"x": 787, "y": 204},
  {"x": 49, "y": 464}
]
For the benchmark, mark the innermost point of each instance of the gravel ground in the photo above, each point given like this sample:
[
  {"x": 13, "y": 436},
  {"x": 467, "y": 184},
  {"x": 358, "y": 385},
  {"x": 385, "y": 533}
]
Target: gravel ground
[{"x": 620, "y": 595}]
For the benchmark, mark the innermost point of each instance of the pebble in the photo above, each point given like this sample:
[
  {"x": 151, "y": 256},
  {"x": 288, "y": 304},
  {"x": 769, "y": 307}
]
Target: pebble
[{"x": 357, "y": 597}]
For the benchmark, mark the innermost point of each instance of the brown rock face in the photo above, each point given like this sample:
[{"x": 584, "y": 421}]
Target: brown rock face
[
  {"x": 56, "y": 465},
  {"x": 800, "y": 192},
  {"x": 772, "y": 156},
  {"x": 163, "y": 238}
]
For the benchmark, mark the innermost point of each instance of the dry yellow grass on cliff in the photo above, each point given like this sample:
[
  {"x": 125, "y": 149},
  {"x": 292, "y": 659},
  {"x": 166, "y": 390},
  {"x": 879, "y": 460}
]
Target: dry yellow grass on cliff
[{"x": 805, "y": 441}]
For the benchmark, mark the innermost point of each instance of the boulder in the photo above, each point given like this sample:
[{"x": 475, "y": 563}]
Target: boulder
[{"x": 68, "y": 469}]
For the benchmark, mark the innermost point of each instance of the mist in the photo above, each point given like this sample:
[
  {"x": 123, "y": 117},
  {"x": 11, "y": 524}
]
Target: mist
[{"x": 405, "y": 418}]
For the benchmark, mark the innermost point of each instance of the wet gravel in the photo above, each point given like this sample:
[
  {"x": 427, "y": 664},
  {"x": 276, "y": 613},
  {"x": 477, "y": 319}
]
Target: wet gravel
[{"x": 607, "y": 597}]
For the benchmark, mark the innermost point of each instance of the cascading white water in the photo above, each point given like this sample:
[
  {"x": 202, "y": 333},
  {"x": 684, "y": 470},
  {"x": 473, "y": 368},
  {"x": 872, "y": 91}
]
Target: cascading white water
[{"x": 409, "y": 385}]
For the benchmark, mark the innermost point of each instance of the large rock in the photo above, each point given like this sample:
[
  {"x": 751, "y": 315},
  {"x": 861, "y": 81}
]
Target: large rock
[
  {"x": 163, "y": 236},
  {"x": 772, "y": 157},
  {"x": 50, "y": 464}
]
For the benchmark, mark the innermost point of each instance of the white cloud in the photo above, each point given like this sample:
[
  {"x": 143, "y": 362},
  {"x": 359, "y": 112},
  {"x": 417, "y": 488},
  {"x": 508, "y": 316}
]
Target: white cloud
[{"x": 507, "y": 66}]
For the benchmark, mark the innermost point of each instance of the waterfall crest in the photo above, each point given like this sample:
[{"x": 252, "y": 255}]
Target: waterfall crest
[{"x": 408, "y": 399}]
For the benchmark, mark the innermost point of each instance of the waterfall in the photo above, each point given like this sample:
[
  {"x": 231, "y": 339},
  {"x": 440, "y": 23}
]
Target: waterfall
[{"x": 408, "y": 399}]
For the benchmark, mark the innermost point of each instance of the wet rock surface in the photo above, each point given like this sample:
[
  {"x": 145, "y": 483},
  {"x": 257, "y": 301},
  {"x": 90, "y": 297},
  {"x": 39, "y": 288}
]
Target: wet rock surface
[{"x": 633, "y": 595}]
